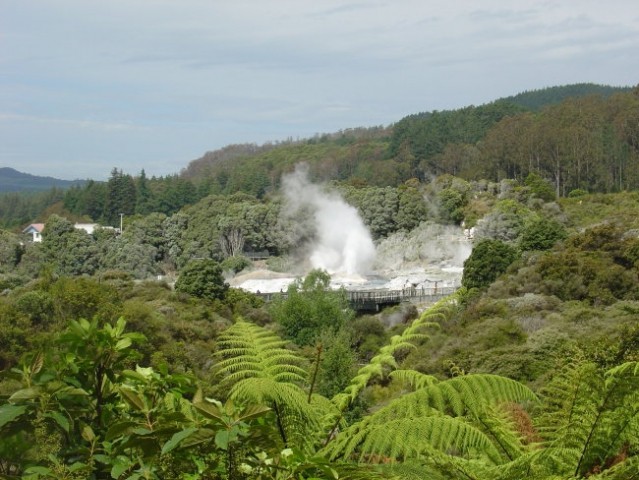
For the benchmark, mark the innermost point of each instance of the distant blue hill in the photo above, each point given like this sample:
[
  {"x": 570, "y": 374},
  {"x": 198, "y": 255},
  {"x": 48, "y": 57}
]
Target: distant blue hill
[{"x": 13, "y": 181}]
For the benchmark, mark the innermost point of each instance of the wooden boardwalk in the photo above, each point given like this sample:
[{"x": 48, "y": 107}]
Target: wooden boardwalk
[{"x": 376, "y": 300}]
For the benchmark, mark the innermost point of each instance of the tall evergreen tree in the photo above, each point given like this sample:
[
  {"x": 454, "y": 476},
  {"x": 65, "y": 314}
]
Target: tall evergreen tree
[
  {"x": 144, "y": 195},
  {"x": 120, "y": 197}
]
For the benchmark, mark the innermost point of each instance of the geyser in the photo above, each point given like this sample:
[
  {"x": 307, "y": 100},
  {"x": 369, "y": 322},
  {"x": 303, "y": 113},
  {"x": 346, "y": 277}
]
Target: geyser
[{"x": 342, "y": 243}]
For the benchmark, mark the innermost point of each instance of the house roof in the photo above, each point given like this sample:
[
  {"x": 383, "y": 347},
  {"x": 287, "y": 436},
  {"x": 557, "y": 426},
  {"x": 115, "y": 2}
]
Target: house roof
[{"x": 34, "y": 227}]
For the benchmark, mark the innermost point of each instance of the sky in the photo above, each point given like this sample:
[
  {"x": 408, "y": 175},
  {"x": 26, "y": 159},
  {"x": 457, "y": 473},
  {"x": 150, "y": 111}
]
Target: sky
[{"x": 86, "y": 86}]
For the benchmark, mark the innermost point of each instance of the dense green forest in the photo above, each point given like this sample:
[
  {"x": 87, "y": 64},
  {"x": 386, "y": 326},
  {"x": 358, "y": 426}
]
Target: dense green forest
[
  {"x": 579, "y": 137},
  {"x": 530, "y": 370}
]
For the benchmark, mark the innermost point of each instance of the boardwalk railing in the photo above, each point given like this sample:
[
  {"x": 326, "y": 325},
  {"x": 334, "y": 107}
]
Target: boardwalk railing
[{"x": 377, "y": 299}]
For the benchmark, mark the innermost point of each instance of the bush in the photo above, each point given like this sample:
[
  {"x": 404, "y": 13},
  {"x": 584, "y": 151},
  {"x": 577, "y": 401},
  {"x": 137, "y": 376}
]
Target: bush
[
  {"x": 577, "y": 192},
  {"x": 488, "y": 260},
  {"x": 235, "y": 264},
  {"x": 37, "y": 306},
  {"x": 541, "y": 234},
  {"x": 540, "y": 188},
  {"x": 202, "y": 279}
]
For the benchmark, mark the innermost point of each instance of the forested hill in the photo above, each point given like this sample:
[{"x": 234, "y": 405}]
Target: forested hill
[
  {"x": 14, "y": 181},
  {"x": 537, "y": 99},
  {"x": 588, "y": 140},
  {"x": 529, "y": 100}
]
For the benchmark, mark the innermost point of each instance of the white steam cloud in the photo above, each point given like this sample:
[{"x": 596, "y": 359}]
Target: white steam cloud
[{"x": 342, "y": 243}]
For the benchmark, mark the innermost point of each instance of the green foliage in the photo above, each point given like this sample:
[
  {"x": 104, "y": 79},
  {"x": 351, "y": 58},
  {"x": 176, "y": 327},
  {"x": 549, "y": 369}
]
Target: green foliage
[
  {"x": 590, "y": 420},
  {"x": 438, "y": 416},
  {"x": 310, "y": 307},
  {"x": 120, "y": 197},
  {"x": 71, "y": 251},
  {"x": 256, "y": 368},
  {"x": 384, "y": 361},
  {"x": 337, "y": 363},
  {"x": 452, "y": 205},
  {"x": 504, "y": 222},
  {"x": 235, "y": 264},
  {"x": 540, "y": 188},
  {"x": 596, "y": 265},
  {"x": 488, "y": 260},
  {"x": 20, "y": 209},
  {"x": 10, "y": 251},
  {"x": 427, "y": 134},
  {"x": 379, "y": 207},
  {"x": 577, "y": 192},
  {"x": 84, "y": 298},
  {"x": 203, "y": 279},
  {"x": 139, "y": 259},
  {"x": 541, "y": 234},
  {"x": 412, "y": 208},
  {"x": 38, "y": 306},
  {"x": 539, "y": 98}
]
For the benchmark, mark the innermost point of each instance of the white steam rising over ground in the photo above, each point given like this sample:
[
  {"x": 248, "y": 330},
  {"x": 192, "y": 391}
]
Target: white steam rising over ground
[
  {"x": 342, "y": 244},
  {"x": 332, "y": 236}
]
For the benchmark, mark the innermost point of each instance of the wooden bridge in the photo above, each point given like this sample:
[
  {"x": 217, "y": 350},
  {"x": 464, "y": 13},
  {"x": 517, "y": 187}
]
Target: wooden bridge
[{"x": 376, "y": 300}]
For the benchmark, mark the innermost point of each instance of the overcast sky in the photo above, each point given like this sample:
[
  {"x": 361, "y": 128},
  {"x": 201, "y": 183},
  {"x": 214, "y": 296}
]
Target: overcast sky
[{"x": 86, "y": 86}]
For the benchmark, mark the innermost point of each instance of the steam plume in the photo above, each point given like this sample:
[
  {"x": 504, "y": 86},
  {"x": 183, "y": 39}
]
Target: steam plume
[{"x": 342, "y": 243}]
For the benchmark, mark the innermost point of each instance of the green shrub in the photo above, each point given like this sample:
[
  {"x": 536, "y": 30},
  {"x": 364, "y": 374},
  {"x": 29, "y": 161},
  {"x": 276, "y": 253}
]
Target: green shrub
[
  {"x": 235, "y": 263},
  {"x": 202, "y": 279},
  {"x": 541, "y": 234},
  {"x": 488, "y": 260},
  {"x": 577, "y": 192},
  {"x": 37, "y": 306}
]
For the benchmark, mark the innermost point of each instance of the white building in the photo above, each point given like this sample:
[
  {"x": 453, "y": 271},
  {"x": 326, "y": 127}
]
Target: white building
[{"x": 35, "y": 230}]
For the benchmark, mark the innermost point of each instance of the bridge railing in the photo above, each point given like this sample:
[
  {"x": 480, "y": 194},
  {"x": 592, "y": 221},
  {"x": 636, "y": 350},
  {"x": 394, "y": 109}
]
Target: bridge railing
[{"x": 381, "y": 296}]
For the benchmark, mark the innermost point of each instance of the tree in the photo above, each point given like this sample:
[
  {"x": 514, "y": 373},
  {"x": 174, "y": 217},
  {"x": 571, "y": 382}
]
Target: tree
[
  {"x": 70, "y": 250},
  {"x": 203, "y": 279},
  {"x": 138, "y": 259},
  {"x": 488, "y": 260},
  {"x": 310, "y": 308},
  {"x": 412, "y": 207},
  {"x": 144, "y": 196},
  {"x": 540, "y": 188},
  {"x": 10, "y": 251},
  {"x": 541, "y": 234},
  {"x": 120, "y": 196}
]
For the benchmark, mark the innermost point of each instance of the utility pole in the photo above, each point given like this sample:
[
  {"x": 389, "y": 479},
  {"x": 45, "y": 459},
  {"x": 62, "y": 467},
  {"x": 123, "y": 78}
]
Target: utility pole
[{"x": 121, "y": 218}]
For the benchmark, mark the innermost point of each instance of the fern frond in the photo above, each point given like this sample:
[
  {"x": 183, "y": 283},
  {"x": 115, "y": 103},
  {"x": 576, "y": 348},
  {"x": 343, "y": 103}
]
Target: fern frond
[
  {"x": 300, "y": 422},
  {"x": 437, "y": 415},
  {"x": 627, "y": 470},
  {"x": 249, "y": 351},
  {"x": 385, "y": 361},
  {"x": 413, "y": 378},
  {"x": 546, "y": 464},
  {"x": 593, "y": 412},
  {"x": 412, "y": 438},
  {"x": 460, "y": 396},
  {"x": 628, "y": 369},
  {"x": 350, "y": 471},
  {"x": 467, "y": 392},
  {"x": 412, "y": 471}
]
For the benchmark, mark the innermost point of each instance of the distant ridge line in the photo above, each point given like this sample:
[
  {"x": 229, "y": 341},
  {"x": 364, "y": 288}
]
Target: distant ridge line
[{"x": 12, "y": 180}]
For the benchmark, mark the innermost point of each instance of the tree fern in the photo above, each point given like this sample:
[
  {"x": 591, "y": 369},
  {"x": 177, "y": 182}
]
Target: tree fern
[
  {"x": 414, "y": 379},
  {"x": 450, "y": 416},
  {"x": 592, "y": 414},
  {"x": 257, "y": 369},
  {"x": 415, "y": 437},
  {"x": 384, "y": 362},
  {"x": 249, "y": 351}
]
